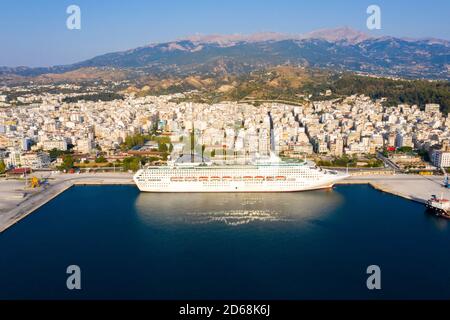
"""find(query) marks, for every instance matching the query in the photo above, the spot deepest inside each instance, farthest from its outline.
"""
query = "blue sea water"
(309, 245)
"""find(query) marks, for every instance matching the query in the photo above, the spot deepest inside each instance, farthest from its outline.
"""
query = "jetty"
(409, 186)
(17, 202)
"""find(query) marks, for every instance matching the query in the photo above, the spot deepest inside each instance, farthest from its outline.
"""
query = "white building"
(35, 160)
(440, 158)
(432, 108)
(13, 159)
(85, 145)
(403, 140)
(54, 144)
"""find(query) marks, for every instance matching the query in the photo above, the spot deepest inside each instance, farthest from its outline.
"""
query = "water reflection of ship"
(235, 208)
(436, 221)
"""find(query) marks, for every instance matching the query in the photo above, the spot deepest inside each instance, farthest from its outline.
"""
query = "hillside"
(296, 85)
(340, 49)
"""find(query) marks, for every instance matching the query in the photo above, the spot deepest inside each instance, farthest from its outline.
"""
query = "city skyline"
(35, 34)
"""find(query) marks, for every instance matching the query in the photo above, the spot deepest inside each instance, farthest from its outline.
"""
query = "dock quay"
(409, 186)
(16, 202)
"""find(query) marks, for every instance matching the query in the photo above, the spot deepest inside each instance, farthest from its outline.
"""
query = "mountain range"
(340, 49)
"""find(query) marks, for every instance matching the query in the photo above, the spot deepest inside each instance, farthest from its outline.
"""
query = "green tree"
(161, 139)
(152, 159)
(162, 147)
(203, 152)
(132, 163)
(154, 128)
(68, 162)
(192, 141)
(103, 96)
(101, 159)
(164, 156)
(55, 153)
(2, 166)
(140, 139)
(405, 149)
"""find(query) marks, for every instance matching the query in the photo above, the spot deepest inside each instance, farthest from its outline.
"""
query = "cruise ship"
(271, 175)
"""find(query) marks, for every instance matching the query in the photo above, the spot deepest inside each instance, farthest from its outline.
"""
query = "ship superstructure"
(440, 206)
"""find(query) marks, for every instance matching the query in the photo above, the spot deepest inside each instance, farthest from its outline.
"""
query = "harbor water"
(307, 245)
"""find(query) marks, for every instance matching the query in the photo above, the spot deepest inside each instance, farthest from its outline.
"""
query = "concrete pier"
(413, 187)
(14, 208)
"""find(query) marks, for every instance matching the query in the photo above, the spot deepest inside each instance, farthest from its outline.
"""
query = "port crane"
(36, 182)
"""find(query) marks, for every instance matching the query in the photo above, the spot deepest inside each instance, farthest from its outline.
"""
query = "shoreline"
(410, 187)
(32, 202)
(415, 188)
(380, 188)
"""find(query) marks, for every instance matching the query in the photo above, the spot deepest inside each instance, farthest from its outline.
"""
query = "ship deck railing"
(250, 166)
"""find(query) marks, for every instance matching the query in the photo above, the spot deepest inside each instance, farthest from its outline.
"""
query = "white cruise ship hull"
(286, 178)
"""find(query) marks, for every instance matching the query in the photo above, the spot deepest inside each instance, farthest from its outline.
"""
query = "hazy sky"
(34, 33)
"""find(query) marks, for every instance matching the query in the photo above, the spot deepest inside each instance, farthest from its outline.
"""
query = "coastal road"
(388, 162)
